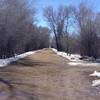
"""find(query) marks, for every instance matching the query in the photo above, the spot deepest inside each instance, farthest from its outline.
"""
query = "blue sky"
(40, 4)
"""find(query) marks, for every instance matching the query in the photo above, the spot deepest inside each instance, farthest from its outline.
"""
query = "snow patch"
(96, 83)
(72, 57)
(75, 59)
(5, 62)
(83, 63)
(54, 50)
(95, 74)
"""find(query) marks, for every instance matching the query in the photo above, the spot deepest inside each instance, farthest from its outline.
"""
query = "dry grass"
(46, 76)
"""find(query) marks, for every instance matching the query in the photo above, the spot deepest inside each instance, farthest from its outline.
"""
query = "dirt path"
(46, 76)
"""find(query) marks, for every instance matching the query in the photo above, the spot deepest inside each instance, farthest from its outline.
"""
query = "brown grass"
(46, 76)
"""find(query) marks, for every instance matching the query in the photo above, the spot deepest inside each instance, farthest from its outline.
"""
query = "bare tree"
(15, 22)
(97, 23)
(58, 21)
(88, 35)
(38, 39)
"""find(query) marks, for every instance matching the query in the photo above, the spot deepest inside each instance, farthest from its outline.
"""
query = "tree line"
(87, 22)
(19, 32)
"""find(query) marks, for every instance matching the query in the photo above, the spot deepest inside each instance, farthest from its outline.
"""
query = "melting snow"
(83, 63)
(5, 62)
(75, 59)
(97, 74)
(72, 57)
(95, 82)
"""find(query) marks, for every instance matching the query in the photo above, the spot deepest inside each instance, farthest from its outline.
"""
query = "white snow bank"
(95, 73)
(83, 63)
(75, 59)
(5, 62)
(96, 83)
(55, 50)
(72, 57)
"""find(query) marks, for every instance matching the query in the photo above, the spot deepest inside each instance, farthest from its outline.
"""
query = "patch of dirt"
(46, 76)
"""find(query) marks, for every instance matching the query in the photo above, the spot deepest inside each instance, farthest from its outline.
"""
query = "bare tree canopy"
(16, 27)
(19, 31)
(88, 34)
(58, 21)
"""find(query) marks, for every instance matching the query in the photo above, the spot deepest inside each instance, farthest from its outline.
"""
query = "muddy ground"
(47, 76)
